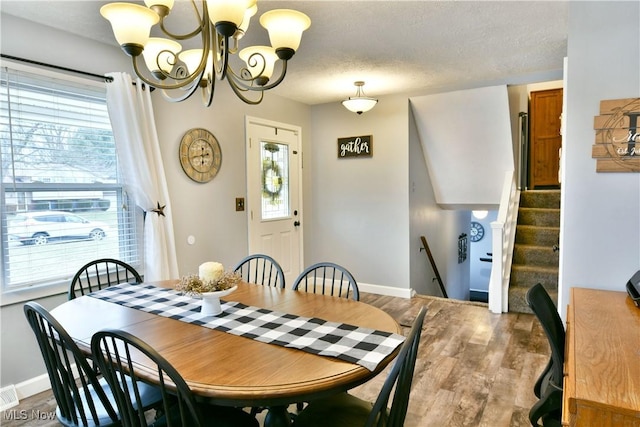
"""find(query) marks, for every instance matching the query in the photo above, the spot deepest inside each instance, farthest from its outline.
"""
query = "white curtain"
(136, 138)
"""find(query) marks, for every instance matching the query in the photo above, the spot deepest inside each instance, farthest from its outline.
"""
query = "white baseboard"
(38, 384)
(33, 386)
(386, 290)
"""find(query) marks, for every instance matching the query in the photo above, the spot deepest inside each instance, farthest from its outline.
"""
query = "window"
(275, 180)
(62, 203)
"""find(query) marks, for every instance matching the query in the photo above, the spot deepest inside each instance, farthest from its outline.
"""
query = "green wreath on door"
(271, 180)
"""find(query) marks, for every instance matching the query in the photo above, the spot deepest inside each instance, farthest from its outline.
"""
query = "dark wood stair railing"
(425, 246)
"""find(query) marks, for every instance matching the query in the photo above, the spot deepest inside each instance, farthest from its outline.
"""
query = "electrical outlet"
(239, 204)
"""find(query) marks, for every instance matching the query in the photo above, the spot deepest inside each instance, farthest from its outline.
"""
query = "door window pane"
(274, 160)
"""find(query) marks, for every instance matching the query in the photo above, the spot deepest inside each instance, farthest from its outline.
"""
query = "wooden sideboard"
(602, 360)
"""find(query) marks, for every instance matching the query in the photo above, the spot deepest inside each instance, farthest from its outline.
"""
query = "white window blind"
(62, 202)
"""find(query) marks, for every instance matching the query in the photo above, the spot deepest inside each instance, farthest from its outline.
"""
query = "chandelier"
(359, 104)
(220, 25)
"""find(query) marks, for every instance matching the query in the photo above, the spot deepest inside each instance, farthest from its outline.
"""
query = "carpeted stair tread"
(534, 258)
(521, 274)
(537, 235)
(541, 217)
(539, 256)
(540, 198)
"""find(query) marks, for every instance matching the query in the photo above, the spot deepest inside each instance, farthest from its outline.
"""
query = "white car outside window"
(38, 228)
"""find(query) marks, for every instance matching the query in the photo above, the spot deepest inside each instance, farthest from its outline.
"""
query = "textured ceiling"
(394, 46)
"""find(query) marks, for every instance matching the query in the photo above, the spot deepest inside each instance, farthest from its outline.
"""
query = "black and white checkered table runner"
(364, 346)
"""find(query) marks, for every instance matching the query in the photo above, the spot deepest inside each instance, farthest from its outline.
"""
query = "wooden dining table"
(227, 369)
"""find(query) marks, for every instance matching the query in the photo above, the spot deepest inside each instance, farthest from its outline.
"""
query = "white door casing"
(274, 199)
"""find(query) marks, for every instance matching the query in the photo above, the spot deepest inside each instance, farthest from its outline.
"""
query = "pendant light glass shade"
(192, 58)
(359, 104)
(480, 214)
(131, 23)
(285, 27)
(247, 19)
(228, 10)
(159, 54)
(260, 60)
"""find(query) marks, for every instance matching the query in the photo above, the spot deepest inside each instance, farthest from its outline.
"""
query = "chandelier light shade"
(285, 28)
(227, 15)
(158, 55)
(360, 103)
(131, 25)
(260, 62)
(247, 18)
(161, 63)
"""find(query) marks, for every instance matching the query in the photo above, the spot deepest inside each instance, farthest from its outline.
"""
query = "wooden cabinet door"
(545, 143)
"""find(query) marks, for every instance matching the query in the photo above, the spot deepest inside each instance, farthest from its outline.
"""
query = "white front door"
(274, 201)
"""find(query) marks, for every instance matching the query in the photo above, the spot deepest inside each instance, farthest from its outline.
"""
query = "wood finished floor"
(474, 368)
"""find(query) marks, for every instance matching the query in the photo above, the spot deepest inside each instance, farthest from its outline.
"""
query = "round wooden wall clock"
(200, 155)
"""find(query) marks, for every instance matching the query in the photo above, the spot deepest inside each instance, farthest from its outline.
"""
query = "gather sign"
(355, 146)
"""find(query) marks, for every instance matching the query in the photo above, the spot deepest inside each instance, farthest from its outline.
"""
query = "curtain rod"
(57, 67)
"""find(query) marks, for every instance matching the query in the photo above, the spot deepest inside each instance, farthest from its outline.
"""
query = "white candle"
(211, 271)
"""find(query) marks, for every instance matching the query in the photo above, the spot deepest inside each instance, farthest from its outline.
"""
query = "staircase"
(535, 255)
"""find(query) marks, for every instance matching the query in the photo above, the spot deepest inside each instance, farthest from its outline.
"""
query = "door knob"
(296, 223)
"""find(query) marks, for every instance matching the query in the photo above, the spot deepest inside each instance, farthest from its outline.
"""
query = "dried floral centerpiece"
(211, 283)
(211, 277)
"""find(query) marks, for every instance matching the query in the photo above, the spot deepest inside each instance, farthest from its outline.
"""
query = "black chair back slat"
(262, 270)
(60, 354)
(101, 273)
(328, 278)
(112, 351)
(400, 378)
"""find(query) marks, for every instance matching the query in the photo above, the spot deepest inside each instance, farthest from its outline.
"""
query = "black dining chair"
(549, 386)
(328, 278)
(85, 400)
(346, 410)
(112, 350)
(101, 273)
(262, 270)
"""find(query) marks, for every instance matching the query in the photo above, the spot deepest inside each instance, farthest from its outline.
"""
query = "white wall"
(207, 211)
(28, 40)
(439, 227)
(357, 208)
(600, 216)
(368, 213)
(422, 210)
(481, 270)
(459, 131)
(556, 84)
